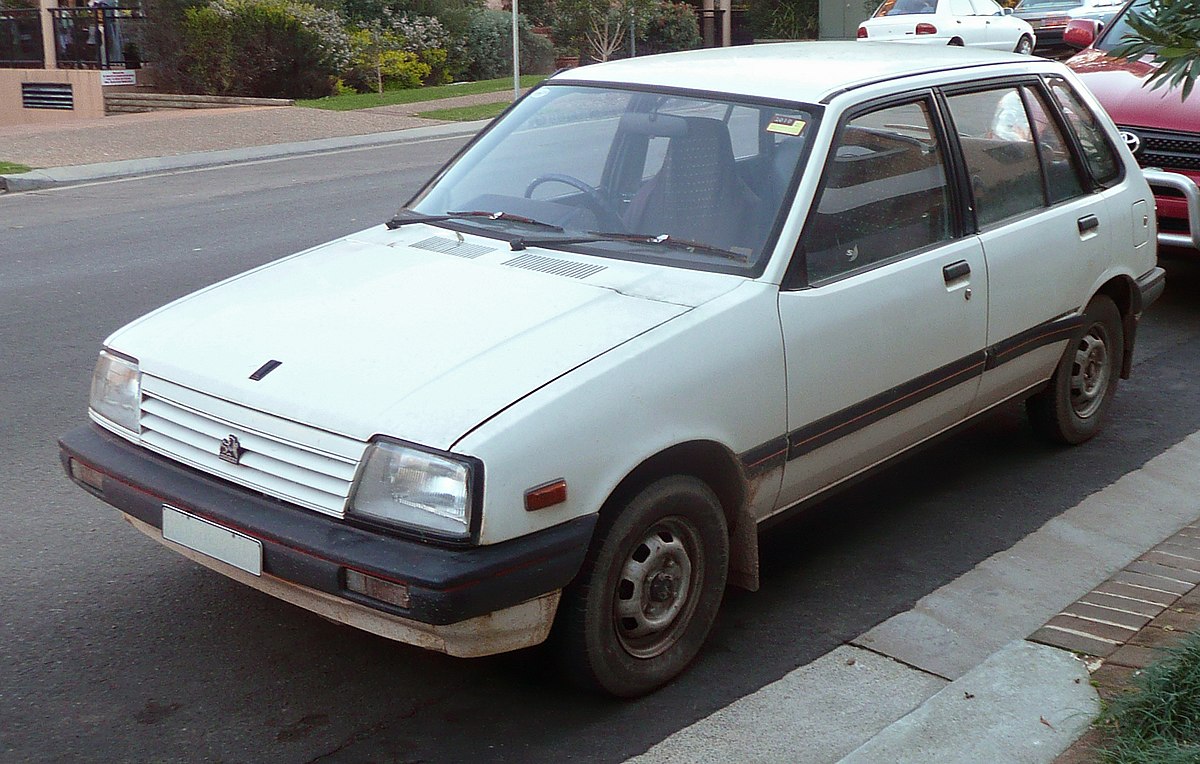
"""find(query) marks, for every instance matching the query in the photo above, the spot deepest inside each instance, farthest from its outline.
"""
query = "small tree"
(606, 33)
(1170, 31)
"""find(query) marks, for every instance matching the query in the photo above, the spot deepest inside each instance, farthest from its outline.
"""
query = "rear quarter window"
(1098, 153)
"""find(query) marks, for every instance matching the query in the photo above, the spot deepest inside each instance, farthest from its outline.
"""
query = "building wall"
(85, 86)
(839, 19)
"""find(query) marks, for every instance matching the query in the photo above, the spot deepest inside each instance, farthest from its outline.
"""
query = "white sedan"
(971, 23)
(659, 305)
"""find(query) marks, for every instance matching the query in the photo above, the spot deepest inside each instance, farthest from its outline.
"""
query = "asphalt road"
(114, 649)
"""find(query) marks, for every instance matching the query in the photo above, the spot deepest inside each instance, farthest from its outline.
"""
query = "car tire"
(1072, 407)
(648, 592)
(1024, 46)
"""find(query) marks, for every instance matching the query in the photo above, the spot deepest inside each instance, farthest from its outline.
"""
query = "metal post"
(632, 32)
(516, 55)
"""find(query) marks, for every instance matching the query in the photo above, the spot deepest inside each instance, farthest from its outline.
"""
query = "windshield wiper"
(416, 217)
(638, 238)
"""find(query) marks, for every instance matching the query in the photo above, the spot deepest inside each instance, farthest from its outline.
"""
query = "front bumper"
(1185, 209)
(453, 592)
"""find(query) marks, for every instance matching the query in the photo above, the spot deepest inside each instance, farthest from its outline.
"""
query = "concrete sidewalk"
(127, 145)
(956, 678)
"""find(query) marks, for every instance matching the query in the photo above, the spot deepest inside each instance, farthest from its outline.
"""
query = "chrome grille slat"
(217, 430)
(281, 458)
(253, 459)
(278, 487)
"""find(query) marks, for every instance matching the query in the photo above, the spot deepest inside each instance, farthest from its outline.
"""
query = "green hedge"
(260, 48)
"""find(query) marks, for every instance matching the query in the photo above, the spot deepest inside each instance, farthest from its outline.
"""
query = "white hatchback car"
(657, 303)
(970, 23)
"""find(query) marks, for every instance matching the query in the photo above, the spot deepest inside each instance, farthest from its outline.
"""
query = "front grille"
(1168, 150)
(281, 458)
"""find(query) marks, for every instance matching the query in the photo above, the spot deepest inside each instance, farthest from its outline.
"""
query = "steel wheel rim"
(1025, 47)
(1091, 370)
(658, 587)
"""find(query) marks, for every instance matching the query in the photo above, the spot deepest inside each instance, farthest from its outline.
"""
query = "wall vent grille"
(47, 95)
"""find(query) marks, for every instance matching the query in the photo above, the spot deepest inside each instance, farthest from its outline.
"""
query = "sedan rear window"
(906, 7)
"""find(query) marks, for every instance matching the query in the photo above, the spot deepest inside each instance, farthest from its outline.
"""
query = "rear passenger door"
(1045, 234)
(884, 308)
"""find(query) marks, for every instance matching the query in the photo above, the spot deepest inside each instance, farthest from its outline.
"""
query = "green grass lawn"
(437, 92)
(12, 168)
(467, 113)
(1159, 721)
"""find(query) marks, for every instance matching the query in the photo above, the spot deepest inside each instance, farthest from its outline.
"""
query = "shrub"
(428, 38)
(488, 44)
(669, 27)
(264, 48)
(378, 62)
(786, 19)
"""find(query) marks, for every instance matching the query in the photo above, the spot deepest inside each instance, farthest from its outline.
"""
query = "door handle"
(1088, 223)
(956, 271)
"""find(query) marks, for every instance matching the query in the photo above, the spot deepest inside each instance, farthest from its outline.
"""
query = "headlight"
(117, 390)
(411, 488)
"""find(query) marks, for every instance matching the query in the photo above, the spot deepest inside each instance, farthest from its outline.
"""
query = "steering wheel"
(606, 214)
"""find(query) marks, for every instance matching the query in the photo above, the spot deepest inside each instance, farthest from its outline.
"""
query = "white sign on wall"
(118, 77)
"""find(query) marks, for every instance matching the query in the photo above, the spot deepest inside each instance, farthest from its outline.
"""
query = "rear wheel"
(1072, 408)
(1024, 45)
(649, 590)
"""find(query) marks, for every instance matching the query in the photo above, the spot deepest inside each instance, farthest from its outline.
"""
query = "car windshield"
(906, 7)
(1119, 27)
(677, 179)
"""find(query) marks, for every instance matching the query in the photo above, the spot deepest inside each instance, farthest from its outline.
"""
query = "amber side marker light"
(547, 495)
(89, 476)
(377, 588)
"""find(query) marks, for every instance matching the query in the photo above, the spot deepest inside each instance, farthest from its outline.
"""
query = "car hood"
(375, 336)
(1120, 87)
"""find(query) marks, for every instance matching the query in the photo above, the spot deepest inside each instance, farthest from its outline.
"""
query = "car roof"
(806, 72)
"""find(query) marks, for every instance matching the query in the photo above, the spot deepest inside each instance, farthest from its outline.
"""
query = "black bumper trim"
(1151, 285)
(446, 585)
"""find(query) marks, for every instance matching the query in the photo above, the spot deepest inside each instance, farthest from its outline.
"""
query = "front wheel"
(1024, 45)
(649, 590)
(1072, 408)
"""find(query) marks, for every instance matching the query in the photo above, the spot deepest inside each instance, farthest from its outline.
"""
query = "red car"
(1161, 129)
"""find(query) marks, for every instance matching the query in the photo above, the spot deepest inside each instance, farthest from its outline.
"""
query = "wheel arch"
(722, 471)
(1124, 292)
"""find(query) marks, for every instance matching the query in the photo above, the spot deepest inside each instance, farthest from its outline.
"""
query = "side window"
(883, 194)
(1062, 179)
(1097, 151)
(986, 8)
(1002, 160)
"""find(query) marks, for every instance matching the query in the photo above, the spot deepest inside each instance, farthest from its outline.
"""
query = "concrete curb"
(955, 678)
(59, 177)
(1026, 703)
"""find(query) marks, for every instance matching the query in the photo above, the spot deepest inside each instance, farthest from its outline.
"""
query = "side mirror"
(1007, 11)
(1080, 33)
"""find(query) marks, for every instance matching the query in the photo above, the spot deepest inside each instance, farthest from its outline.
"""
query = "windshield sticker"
(786, 125)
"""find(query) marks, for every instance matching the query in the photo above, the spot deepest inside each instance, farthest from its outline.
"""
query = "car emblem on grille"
(231, 450)
(1132, 140)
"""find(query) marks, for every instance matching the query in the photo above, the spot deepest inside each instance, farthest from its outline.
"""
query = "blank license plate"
(206, 537)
